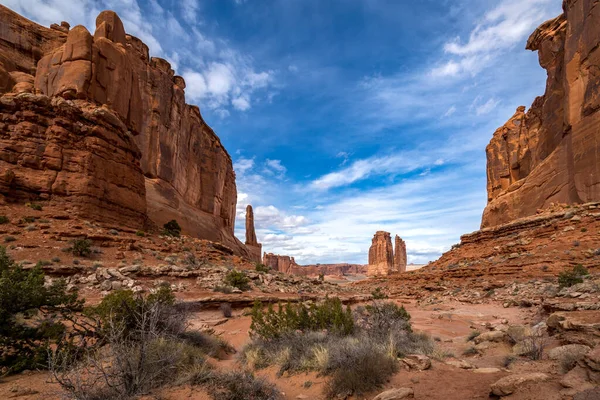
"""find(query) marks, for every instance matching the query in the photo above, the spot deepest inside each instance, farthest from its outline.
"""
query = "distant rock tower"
(381, 255)
(400, 255)
(254, 248)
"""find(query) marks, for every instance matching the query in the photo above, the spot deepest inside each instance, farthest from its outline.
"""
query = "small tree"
(572, 277)
(237, 279)
(172, 228)
(81, 247)
(30, 315)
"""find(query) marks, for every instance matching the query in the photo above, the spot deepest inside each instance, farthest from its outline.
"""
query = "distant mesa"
(382, 259)
(288, 265)
(94, 122)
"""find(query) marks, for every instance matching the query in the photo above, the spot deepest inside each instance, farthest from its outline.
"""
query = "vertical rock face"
(285, 264)
(551, 153)
(252, 244)
(399, 255)
(381, 255)
(188, 173)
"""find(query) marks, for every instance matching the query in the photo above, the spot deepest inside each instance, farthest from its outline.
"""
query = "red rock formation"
(252, 244)
(551, 152)
(189, 175)
(70, 152)
(399, 255)
(278, 263)
(381, 254)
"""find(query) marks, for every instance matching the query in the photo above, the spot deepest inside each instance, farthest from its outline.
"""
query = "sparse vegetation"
(357, 350)
(226, 310)
(470, 351)
(378, 294)
(172, 228)
(81, 247)
(473, 335)
(260, 267)
(573, 277)
(223, 289)
(508, 360)
(140, 233)
(56, 259)
(237, 279)
(34, 206)
(31, 315)
(8, 239)
(4, 219)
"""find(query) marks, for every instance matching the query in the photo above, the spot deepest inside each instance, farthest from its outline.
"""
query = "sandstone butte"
(383, 260)
(93, 122)
(288, 265)
(549, 154)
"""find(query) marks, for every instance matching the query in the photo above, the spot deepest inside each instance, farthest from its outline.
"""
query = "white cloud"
(450, 112)
(276, 166)
(487, 107)
(506, 25)
(242, 165)
(241, 103)
(189, 8)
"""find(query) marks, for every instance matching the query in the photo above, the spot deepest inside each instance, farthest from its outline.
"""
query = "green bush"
(237, 279)
(241, 385)
(573, 277)
(378, 294)
(8, 239)
(329, 315)
(259, 267)
(34, 206)
(140, 233)
(4, 219)
(172, 228)
(30, 315)
(81, 248)
(473, 335)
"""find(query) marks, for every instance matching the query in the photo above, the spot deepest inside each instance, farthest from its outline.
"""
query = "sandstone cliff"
(399, 255)
(288, 265)
(551, 153)
(187, 172)
(381, 254)
(254, 248)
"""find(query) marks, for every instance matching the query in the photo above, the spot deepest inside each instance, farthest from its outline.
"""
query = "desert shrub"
(226, 310)
(473, 335)
(223, 289)
(81, 247)
(30, 315)
(34, 206)
(470, 351)
(259, 267)
(56, 259)
(27, 220)
(43, 263)
(237, 279)
(140, 233)
(508, 360)
(4, 219)
(357, 367)
(172, 228)
(328, 314)
(8, 239)
(378, 294)
(572, 277)
(241, 385)
(209, 344)
(533, 344)
(567, 361)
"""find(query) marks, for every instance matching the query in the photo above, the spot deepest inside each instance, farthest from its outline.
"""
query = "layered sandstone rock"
(285, 264)
(254, 248)
(381, 254)
(70, 152)
(551, 152)
(188, 174)
(399, 255)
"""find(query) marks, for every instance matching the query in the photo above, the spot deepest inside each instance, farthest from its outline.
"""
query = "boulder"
(396, 394)
(418, 362)
(491, 336)
(575, 350)
(509, 384)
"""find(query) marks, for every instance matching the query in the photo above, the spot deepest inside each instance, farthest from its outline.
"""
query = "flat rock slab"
(396, 394)
(509, 384)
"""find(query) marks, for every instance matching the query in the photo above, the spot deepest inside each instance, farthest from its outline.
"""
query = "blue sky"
(344, 117)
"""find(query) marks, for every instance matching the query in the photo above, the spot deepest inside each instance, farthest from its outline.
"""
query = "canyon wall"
(288, 265)
(187, 173)
(400, 259)
(551, 153)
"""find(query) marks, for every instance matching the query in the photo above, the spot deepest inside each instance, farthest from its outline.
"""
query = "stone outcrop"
(551, 152)
(285, 264)
(254, 248)
(74, 153)
(399, 255)
(188, 173)
(288, 265)
(381, 254)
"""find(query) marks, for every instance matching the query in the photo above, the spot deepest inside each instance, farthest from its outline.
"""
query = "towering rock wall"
(254, 248)
(285, 264)
(381, 255)
(288, 265)
(188, 174)
(551, 153)
(399, 255)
